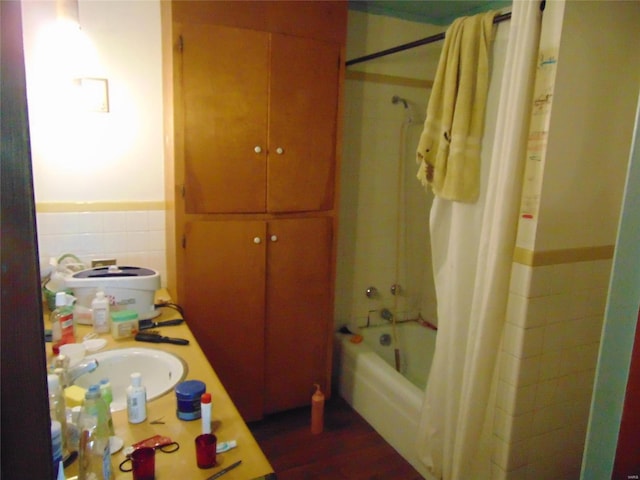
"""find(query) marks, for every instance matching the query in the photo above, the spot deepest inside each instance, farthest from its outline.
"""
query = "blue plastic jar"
(188, 394)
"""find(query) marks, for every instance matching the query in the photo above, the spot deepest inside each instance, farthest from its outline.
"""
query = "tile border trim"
(79, 207)
(566, 255)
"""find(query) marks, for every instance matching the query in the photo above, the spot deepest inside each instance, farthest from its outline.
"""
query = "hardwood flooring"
(348, 448)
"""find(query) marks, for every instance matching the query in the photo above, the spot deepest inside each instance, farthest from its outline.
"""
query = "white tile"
(157, 220)
(561, 279)
(529, 371)
(88, 242)
(560, 307)
(555, 336)
(541, 281)
(551, 365)
(537, 312)
(544, 446)
(533, 341)
(137, 241)
(115, 243)
(64, 224)
(520, 283)
(524, 400)
(580, 358)
(45, 223)
(90, 222)
(115, 222)
(517, 310)
(521, 342)
(137, 221)
(546, 393)
(509, 368)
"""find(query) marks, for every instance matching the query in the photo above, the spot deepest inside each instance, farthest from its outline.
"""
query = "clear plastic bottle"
(62, 326)
(56, 445)
(106, 393)
(57, 407)
(100, 313)
(136, 399)
(95, 454)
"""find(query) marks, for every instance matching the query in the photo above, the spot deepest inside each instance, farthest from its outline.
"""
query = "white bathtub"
(369, 382)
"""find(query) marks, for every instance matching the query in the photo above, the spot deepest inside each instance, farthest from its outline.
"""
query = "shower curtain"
(472, 249)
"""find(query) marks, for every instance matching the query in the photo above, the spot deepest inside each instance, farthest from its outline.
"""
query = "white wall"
(98, 177)
(83, 156)
(370, 203)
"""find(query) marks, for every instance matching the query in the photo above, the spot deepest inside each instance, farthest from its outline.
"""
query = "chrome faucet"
(82, 368)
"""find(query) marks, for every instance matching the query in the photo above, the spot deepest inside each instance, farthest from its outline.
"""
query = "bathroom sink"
(160, 371)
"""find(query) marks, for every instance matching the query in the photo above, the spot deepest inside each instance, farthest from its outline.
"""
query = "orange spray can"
(317, 410)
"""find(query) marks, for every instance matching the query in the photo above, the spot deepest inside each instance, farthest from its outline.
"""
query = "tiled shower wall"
(132, 237)
(550, 350)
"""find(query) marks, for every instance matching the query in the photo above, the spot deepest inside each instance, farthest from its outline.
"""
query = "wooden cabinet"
(258, 298)
(252, 115)
(260, 120)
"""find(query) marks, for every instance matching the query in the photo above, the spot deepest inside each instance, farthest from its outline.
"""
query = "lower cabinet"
(258, 297)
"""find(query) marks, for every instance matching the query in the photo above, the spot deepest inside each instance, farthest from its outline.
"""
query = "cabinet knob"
(257, 149)
(256, 240)
(274, 238)
(279, 150)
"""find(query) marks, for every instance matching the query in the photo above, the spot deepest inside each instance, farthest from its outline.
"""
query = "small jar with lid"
(124, 324)
(188, 394)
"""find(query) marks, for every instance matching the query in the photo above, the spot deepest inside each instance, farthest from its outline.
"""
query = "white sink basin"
(160, 371)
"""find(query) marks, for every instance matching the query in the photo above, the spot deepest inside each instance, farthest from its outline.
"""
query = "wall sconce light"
(93, 94)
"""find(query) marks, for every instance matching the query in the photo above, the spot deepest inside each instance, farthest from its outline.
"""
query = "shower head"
(396, 99)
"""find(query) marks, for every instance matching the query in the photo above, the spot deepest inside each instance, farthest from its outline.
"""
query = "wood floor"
(348, 448)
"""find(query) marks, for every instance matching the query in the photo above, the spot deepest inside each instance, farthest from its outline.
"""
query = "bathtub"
(388, 400)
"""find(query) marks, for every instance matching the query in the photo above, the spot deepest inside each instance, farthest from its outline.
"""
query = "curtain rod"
(406, 46)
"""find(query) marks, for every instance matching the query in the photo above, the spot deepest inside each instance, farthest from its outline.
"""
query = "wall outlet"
(103, 262)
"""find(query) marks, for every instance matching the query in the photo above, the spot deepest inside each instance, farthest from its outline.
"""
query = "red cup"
(143, 463)
(206, 450)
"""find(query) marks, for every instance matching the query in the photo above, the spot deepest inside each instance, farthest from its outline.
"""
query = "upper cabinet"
(260, 112)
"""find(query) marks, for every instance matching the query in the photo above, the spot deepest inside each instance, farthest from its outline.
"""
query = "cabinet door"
(299, 306)
(302, 124)
(224, 304)
(224, 88)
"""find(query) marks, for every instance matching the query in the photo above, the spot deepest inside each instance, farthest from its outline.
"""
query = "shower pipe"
(417, 43)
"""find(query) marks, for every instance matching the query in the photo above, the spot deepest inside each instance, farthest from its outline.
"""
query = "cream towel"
(449, 147)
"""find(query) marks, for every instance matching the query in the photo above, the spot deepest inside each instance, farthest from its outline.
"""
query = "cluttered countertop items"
(169, 416)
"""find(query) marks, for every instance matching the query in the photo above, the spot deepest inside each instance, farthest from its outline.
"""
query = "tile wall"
(132, 237)
(549, 355)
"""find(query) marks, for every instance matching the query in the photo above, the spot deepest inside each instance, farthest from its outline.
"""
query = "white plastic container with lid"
(136, 399)
(124, 324)
(130, 288)
(100, 313)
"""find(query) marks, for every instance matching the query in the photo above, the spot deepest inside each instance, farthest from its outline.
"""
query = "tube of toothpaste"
(226, 446)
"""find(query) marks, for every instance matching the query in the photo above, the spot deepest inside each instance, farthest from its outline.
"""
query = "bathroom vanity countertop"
(227, 422)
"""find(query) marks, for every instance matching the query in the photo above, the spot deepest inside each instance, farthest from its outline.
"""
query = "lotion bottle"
(136, 399)
(317, 411)
(205, 409)
(100, 313)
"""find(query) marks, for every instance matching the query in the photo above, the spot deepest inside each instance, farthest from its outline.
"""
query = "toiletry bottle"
(106, 393)
(136, 399)
(205, 411)
(56, 445)
(100, 313)
(57, 408)
(62, 327)
(94, 451)
(317, 410)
